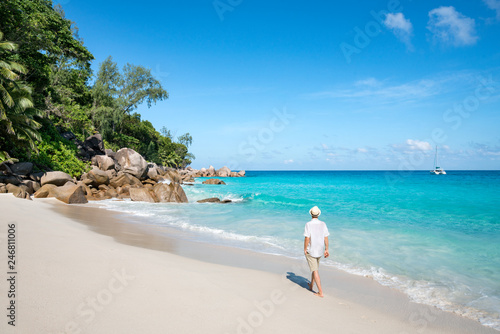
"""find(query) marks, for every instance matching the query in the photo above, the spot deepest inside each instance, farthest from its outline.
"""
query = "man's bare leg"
(318, 283)
(311, 285)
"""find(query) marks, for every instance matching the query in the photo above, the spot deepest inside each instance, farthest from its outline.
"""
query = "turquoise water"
(434, 237)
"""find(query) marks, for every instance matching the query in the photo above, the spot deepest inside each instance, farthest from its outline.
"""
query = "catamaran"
(437, 170)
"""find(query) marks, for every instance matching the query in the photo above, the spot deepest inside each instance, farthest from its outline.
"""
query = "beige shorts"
(313, 262)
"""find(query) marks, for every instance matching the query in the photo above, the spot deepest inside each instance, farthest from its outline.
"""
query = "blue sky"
(317, 84)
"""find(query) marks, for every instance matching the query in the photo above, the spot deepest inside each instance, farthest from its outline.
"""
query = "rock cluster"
(19, 180)
(124, 174)
(189, 173)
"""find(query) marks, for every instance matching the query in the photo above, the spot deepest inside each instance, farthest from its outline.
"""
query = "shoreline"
(249, 278)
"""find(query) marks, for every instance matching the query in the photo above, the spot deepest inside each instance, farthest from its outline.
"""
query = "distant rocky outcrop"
(213, 181)
(214, 200)
(224, 172)
(188, 174)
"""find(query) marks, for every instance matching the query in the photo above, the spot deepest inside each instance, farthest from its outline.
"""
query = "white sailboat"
(437, 170)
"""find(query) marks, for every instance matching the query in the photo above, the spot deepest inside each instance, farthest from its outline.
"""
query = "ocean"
(434, 237)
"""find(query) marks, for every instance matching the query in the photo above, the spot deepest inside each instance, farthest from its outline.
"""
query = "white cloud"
(418, 145)
(406, 91)
(401, 27)
(362, 150)
(495, 5)
(451, 27)
(485, 150)
(398, 93)
(324, 146)
(371, 82)
(289, 161)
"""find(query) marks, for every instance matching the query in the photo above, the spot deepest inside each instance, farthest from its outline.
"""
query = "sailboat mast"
(436, 163)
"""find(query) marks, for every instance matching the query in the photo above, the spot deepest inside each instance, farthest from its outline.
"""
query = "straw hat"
(315, 211)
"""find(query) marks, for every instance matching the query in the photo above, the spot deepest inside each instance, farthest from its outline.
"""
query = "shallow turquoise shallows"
(435, 237)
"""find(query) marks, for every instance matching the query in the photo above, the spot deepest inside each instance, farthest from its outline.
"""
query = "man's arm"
(306, 243)
(327, 254)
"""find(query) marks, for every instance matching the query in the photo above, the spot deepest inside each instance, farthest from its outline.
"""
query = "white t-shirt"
(317, 231)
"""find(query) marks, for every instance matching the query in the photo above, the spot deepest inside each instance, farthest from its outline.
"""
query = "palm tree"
(16, 105)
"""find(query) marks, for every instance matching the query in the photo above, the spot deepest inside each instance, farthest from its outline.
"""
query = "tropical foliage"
(45, 89)
(18, 129)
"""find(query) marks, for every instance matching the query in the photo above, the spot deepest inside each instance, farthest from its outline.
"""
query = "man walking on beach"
(315, 245)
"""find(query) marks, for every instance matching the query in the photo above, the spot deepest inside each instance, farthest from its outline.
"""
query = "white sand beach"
(86, 272)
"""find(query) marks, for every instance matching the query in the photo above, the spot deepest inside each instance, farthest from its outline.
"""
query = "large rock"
(47, 190)
(174, 176)
(124, 179)
(12, 179)
(22, 168)
(91, 147)
(68, 135)
(224, 172)
(11, 188)
(104, 162)
(111, 173)
(18, 191)
(131, 162)
(141, 195)
(152, 171)
(110, 153)
(111, 192)
(95, 142)
(71, 194)
(31, 186)
(209, 200)
(5, 169)
(241, 173)
(98, 177)
(213, 181)
(37, 176)
(211, 171)
(172, 192)
(86, 188)
(57, 178)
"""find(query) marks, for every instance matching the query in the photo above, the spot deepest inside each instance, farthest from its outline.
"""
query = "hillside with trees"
(47, 88)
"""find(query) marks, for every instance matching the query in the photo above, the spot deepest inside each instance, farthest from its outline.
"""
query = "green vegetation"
(45, 90)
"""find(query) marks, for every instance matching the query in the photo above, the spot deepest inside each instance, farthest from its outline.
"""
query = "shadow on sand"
(299, 280)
